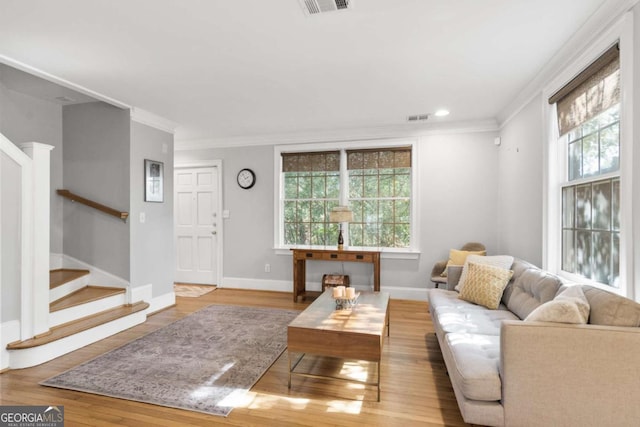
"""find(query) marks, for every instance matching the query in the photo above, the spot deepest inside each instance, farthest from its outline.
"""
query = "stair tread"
(63, 275)
(79, 325)
(84, 295)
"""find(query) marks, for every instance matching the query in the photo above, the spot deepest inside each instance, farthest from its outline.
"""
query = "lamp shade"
(341, 214)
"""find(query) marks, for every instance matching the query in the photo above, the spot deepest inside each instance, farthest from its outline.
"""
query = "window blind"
(594, 90)
(386, 158)
(323, 161)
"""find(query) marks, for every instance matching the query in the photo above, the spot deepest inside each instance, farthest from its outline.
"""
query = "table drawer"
(366, 257)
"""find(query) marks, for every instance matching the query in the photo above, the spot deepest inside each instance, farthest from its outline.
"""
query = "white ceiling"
(243, 68)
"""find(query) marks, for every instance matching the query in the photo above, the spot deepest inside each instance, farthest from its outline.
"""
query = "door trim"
(217, 163)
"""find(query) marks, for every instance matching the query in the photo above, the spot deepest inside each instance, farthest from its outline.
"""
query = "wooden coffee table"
(356, 333)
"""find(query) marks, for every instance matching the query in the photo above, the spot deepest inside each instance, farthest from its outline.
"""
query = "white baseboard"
(259, 284)
(55, 261)
(410, 293)
(145, 293)
(161, 302)
(98, 276)
(415, 294)
(9, 332)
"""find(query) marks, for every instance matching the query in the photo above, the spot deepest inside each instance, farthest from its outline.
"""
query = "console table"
(301, 256)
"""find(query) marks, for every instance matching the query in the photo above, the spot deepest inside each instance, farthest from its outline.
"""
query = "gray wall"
(24, 118)
(459, 194)
(521, 179)
(96, 166)
(10, 188)
(152, 242)
(457, 176)
(520, 209)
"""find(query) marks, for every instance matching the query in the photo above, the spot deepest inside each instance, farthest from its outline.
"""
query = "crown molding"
(606, 15)
(306, 137)
(147, 118)
(62, 82)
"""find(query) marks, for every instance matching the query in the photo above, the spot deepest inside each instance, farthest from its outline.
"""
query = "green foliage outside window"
(379, 194)
(591, 210)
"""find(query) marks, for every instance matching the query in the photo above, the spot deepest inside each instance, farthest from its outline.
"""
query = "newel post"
(35, 301)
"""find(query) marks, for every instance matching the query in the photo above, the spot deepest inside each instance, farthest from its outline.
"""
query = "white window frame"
(556, 157)
(411, 252)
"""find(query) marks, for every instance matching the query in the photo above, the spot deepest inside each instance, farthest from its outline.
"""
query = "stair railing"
(102, 208)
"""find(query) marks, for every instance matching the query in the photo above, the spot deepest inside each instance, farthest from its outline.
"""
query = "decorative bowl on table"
(344, 303)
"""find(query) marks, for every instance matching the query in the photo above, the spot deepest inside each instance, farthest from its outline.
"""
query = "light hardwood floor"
(415, 387)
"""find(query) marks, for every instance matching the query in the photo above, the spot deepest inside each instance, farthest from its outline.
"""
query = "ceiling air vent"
(313, 7)
(418, 118)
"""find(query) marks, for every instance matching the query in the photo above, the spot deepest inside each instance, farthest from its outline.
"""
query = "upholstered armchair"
(436, 272)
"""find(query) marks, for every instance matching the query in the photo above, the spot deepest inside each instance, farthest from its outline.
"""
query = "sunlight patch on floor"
(344, 407)
(205, 390)
(253, 400)
(259, 401)
(355, 370)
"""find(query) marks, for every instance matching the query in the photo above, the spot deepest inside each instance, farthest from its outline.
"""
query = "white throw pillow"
(569, 306)
(500, 261)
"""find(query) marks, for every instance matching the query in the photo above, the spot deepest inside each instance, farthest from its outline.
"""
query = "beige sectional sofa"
(507, 371)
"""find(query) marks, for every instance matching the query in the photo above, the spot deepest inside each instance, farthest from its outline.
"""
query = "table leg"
(376, 273)
(388, 321)
(298, 278)
(289, 354)
(378, 380)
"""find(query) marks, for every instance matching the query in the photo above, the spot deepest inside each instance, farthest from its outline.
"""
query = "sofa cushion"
(569, 306)
(442, 297)
(502, 261)
(473, 319)
(484, 284)
(610, 309)
(518, 267)
(532, 288)
(476, 360)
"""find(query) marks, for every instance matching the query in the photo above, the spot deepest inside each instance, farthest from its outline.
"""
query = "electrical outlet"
(267, 268)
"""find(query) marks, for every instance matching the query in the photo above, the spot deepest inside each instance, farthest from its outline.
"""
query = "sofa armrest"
(560, 374)
(453, 276)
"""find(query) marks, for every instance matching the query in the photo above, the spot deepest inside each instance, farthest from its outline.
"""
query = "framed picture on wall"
(153, 181)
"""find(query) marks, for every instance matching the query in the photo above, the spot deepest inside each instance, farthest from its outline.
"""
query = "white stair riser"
(25, 358)
(87, 309)
(68, 288)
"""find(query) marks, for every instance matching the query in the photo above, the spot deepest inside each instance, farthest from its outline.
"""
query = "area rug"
(202, 362)
(192, 291)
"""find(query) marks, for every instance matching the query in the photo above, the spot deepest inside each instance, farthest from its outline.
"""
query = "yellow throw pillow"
(485, 284)
(457, 257)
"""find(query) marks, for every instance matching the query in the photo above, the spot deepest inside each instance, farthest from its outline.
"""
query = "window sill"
(385, 253)
(579, 280)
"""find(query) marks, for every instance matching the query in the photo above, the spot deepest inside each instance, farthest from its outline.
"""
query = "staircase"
(79, 314)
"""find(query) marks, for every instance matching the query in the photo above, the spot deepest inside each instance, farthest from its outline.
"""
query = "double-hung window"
(588, 113)
(380, 197)
(375, 183)
(311, 190)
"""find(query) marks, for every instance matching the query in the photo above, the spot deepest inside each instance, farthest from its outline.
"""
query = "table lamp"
(340, 214)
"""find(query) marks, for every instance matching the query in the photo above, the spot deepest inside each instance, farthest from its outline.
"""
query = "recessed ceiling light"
(442, 113)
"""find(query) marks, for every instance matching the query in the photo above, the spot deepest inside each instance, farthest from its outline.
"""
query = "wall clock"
(246, 179)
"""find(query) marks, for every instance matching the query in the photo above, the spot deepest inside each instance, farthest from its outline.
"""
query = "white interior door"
(197, 223)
